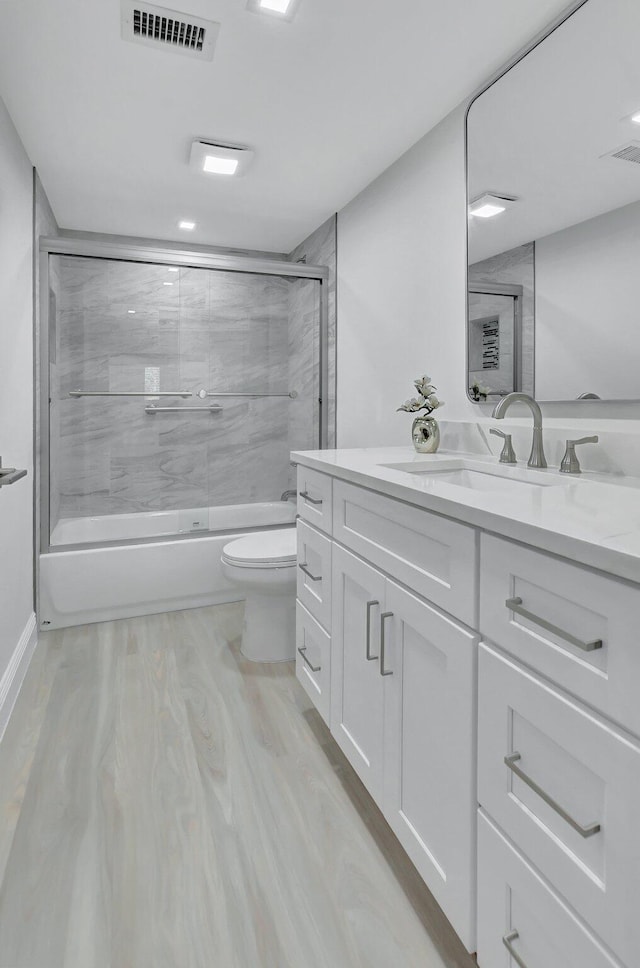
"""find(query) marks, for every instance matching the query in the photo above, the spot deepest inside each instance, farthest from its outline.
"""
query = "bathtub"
(155, 571)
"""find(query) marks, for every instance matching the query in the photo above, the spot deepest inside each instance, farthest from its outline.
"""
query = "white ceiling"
(327, 102)
(540, 132)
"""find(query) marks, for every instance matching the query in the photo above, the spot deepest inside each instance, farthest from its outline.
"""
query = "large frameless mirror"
(553, 154)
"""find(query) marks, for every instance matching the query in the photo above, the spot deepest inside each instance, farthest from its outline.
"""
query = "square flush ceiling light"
(284, 9)
(220, 159)
(490, 203)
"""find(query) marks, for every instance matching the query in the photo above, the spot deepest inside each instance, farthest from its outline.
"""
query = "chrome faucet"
(536, 457)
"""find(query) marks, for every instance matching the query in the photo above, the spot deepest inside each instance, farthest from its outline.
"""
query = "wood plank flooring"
(166, 804)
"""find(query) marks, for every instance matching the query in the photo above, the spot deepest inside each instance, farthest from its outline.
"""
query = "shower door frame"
(158, 255)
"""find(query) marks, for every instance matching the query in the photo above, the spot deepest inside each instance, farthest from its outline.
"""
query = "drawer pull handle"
(589, 831)
(303, 652)
(307, 497)
(370, 605)
(305, 569)
(515, 605)
(383, 618)
(507, 941)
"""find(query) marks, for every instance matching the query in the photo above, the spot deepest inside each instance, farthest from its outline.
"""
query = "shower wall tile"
(210, 330)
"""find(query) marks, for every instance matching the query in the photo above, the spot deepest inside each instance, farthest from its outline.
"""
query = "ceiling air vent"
(628, 152)
(144, 23)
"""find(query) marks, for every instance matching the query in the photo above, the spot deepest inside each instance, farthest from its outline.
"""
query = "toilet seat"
(264, 549)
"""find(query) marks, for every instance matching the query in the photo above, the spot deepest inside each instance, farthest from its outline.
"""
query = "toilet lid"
(264, 548)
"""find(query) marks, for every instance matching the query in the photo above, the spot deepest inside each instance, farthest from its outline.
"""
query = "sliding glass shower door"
(176, 395)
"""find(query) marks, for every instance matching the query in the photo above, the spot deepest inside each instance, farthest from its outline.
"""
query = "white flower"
(433, 401)
(423, 385)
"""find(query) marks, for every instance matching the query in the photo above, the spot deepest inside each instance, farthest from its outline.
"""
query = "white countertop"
(593, 519)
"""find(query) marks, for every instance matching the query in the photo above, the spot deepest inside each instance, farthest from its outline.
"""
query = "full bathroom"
(319, 476)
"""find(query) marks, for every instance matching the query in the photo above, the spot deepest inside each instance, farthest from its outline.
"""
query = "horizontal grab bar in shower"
(137, 393)
(212, 393)
(216, 408)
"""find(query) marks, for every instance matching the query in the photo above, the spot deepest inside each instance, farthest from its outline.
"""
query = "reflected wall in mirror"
(553, 155)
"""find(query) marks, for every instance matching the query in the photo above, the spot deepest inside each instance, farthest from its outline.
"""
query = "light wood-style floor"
(167, 804)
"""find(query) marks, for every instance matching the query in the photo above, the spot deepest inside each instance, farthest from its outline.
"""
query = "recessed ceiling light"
(173, 269)
(220, 166)
(636, 117)
(278, 6)
(131, 312)
(220, 159)
(490, 203)
(167, 283)
(186, 225)
(284, 9)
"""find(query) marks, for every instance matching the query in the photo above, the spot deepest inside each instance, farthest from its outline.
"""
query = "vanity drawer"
(513, 898)
(569, 769)
(313, 658)
(430, 554)
(314, 498)
(569, 609)
(314, 573)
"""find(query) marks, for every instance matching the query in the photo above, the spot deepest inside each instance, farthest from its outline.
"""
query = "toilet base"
(269, 631)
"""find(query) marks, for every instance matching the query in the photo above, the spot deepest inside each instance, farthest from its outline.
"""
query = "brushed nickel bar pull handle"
(216, 408)
(370, 605)
(589, 831)
(138, 393)
(507, 941)
(383, 618)
(307, 497)
(305, 569)
(515, 605)
(302, 650)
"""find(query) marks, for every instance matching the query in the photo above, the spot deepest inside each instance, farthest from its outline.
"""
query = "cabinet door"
(430, 798)
(519, 912)
(357, 701)
(564, 786)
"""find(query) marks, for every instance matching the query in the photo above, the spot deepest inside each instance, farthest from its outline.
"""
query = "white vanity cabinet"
(486, 693)
(402, 681)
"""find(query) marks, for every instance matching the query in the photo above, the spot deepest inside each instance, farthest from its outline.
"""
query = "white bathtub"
(155, 524)
(91, 584)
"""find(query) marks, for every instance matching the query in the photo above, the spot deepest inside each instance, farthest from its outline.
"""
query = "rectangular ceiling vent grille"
(628, 152)
(144, 23)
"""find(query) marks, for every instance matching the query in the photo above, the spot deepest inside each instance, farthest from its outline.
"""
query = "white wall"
(587, 317)
(401, 290)
(16, 397)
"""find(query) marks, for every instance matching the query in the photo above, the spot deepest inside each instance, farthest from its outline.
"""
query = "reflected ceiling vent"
(628, 152)
(144, 23)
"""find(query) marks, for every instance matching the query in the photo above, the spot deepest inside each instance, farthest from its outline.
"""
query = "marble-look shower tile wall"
(133, 327)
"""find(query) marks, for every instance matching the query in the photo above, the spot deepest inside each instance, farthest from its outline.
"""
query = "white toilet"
(263, 565)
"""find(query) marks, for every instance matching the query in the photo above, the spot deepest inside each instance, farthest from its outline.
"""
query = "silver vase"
(426, 435)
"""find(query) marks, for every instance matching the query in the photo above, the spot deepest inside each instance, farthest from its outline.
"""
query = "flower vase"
(426, 435)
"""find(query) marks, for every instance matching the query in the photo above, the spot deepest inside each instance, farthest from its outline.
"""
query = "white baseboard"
(16, 671)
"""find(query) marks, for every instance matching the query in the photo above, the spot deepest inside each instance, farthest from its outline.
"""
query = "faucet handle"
(508, 455)
(570, 463)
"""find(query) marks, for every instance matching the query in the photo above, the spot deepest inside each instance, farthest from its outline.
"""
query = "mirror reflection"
(554, 216)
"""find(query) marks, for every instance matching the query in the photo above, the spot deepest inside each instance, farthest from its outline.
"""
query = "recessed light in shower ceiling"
(284, 9)
(186, 225)
(490, 204)
(217, 158)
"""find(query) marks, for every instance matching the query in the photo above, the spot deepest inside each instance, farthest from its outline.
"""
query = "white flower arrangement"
(427, 399)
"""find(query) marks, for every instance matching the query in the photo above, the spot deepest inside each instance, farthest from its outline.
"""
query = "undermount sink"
(478, 476)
